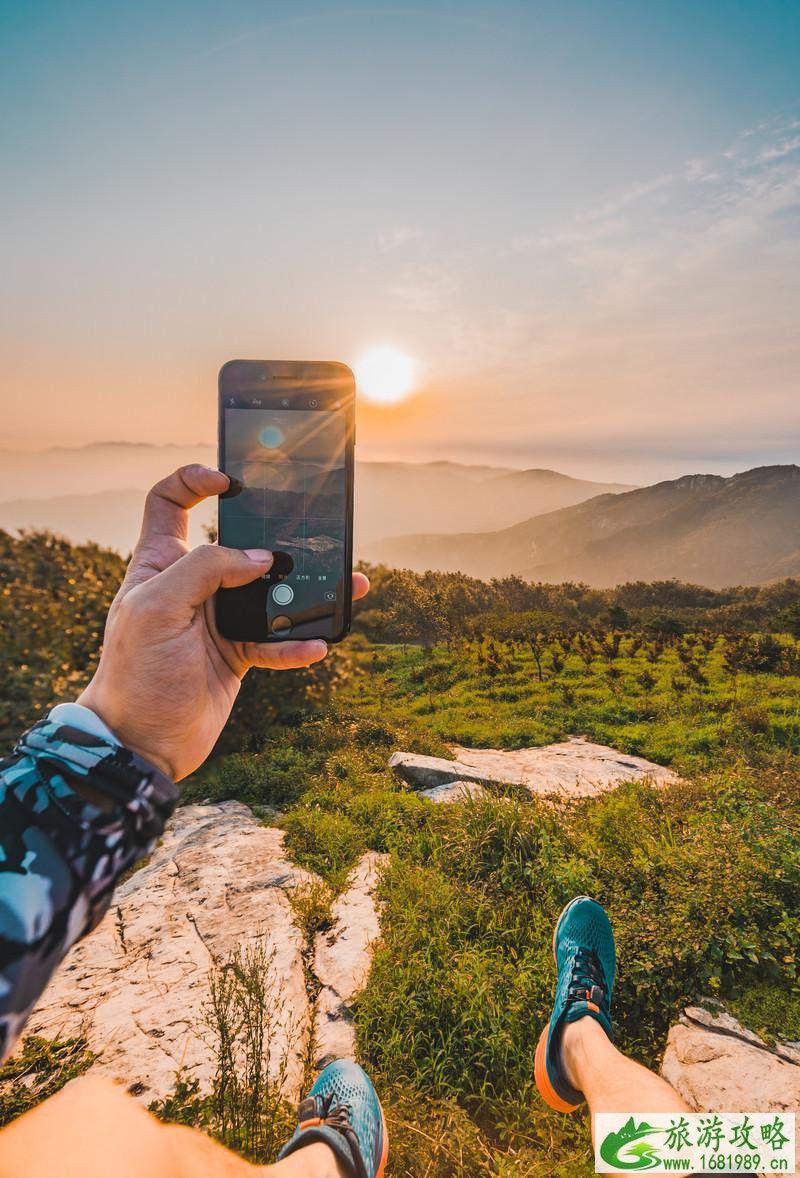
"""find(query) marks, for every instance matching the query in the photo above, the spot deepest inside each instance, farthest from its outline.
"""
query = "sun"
(385, 375)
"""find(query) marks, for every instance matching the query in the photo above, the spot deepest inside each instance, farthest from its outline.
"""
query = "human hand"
(167, 679)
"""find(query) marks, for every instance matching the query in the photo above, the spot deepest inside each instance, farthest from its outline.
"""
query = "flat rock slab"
(574, 768)
(455, 791)
(137, 986)
(342, 957)
(717, 1065)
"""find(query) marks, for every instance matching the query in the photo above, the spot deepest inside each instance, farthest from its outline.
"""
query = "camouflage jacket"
(76, 811)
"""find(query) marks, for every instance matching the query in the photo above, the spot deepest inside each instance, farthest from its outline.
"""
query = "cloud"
(399, 235)
(779, 150)
(579, 235)
(424, 288)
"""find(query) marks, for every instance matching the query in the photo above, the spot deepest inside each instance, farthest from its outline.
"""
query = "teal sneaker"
(342, 1110)
(586, 960)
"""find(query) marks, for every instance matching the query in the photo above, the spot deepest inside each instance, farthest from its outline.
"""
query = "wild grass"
(252, 1041)
(40, 1068)
(702, 879)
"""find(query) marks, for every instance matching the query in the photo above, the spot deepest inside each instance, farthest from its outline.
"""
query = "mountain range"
(483, 520)
(702, 528)
(95, 493)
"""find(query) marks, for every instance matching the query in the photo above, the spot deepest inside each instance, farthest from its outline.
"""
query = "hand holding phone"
(167, 679)
(286, 440)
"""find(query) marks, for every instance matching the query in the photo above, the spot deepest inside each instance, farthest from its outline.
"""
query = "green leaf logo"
(638, 1154)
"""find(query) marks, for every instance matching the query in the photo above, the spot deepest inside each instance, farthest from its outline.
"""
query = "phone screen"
(292, 464)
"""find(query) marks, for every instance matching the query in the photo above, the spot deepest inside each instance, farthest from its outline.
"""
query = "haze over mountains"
(95, 493)
(702, 528)
(483, 520)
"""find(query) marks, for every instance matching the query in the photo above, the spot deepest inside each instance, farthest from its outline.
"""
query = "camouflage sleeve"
(76, 811)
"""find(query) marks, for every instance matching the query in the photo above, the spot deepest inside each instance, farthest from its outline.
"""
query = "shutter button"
(282, 593)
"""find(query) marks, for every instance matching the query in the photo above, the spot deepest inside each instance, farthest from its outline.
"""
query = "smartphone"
(287, 438)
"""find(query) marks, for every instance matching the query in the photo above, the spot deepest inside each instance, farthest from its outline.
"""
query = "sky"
(580, 218)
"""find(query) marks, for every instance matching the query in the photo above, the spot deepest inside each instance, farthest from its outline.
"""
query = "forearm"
(76, 811)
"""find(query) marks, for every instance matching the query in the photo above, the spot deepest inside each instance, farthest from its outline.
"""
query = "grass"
(702, 879)
(677, 703)
(245, 1109)
(39, 1069)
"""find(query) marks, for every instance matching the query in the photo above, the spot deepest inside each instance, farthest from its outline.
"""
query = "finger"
(285, 656)
(197, 576)
(166, 509)
(165, 526)
(360, 586)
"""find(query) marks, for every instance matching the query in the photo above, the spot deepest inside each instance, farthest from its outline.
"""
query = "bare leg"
(610, 1081)
(92, 1129)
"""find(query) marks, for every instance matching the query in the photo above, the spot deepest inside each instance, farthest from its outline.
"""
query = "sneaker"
(585, 957)
(342, 1109)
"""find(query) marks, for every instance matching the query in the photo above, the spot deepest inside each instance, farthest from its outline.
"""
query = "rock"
(717, 1065)
(574, 768)
(342, 957)
(138, 984)
(218, 880)
(455, 791)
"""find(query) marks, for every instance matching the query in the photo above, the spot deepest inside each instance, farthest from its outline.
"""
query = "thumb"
(198, 575)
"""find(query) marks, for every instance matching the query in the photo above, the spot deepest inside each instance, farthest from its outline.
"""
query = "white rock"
(455, 791)
(573, 768)
(719, 1066)
(137, 985)
(342, 957)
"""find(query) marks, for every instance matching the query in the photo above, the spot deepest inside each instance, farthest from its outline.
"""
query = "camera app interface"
(292, 467)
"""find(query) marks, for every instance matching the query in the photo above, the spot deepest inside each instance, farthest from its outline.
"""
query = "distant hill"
(450, 497)
(702, 528)
(109, 518)
(96, 492)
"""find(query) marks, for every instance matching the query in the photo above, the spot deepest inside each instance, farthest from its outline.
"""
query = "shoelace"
(587, 982)
(337, 1116)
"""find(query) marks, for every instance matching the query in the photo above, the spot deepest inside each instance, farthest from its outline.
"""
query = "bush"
(324, 841)
(40, 1069)
(244, 1016)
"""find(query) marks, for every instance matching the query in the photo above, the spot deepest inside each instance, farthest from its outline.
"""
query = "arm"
(77, 811)
(87, 792)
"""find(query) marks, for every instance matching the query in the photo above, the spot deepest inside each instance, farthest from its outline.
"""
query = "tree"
(790, 619)
(618, 617)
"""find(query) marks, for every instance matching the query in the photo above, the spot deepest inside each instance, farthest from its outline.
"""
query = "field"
(702, 879)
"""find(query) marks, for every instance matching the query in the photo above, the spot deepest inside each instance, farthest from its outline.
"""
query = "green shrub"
(38, 1070)
(324, 841)
(770, 1009)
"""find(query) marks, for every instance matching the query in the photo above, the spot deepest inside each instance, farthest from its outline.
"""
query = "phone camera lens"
(313, 404)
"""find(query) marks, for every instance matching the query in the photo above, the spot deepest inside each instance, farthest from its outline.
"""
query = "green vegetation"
(54, 597)
(244, 1017)
(40, 1068)
(702, 879)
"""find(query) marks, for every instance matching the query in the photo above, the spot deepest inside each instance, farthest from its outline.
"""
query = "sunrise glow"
(385, 375)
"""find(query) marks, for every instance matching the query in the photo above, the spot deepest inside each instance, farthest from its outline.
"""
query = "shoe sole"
(385, 1150)
(540, 1073)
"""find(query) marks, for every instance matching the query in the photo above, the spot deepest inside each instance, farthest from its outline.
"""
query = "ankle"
(580, 1040)
(316, 1160)
(329, 1166)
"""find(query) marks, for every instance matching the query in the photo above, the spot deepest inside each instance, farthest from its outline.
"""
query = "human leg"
(610, 1081)
(576, 1060)
(92, 1129)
